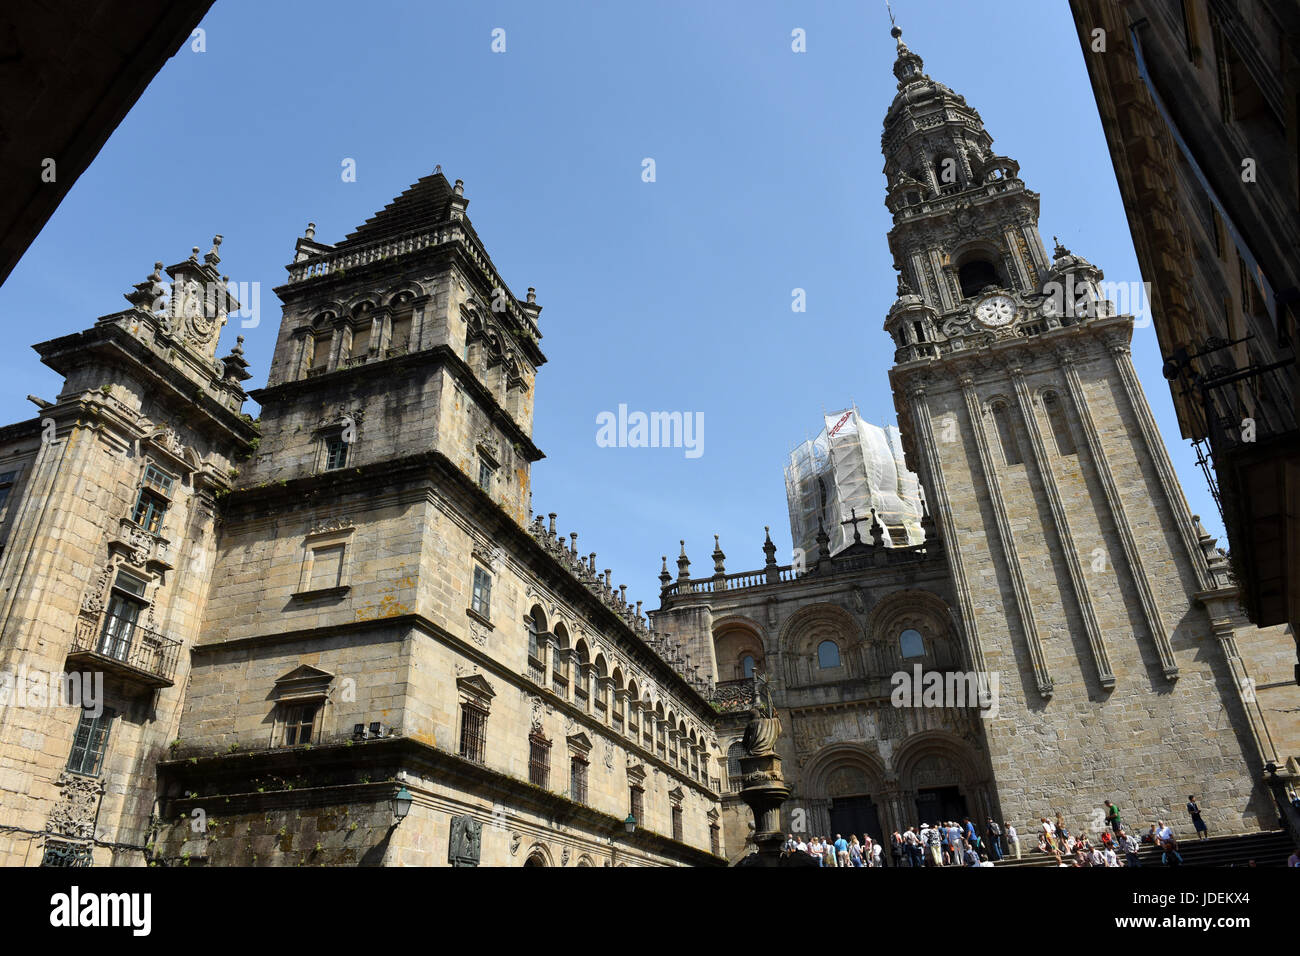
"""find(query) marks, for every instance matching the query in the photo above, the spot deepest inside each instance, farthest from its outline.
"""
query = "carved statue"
(466, 839)
(764, 725)
(761, 734)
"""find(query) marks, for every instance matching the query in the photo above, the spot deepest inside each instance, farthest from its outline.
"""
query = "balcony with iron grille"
(135, 653)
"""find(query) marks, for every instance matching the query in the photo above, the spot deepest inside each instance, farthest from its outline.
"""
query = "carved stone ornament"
(539, 709)
(335, 523)
(77, 807)
(488, 555)
(564, 857)
(609, 755)
(93, 602)
(478, 634)
(515, 841)
(466, 843)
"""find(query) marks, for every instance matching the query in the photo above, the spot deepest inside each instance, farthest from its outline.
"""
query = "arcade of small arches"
(369, 328)
(580, 673)
(824, 643)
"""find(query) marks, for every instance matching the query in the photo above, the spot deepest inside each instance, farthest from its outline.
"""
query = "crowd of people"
(960, 844)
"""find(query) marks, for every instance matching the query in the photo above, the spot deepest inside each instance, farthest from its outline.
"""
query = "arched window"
(602, 690)
(1060, 425)
(560, 661)
(911, 644)
(828, 655)
(975, 275)
(1006, 433)
(536, 627)
(747, 665)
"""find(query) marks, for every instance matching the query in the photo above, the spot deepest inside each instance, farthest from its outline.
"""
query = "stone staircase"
(1267, 848)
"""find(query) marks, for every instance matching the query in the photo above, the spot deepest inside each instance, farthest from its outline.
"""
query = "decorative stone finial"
(459, 188)
(532, 296)
(310, 232)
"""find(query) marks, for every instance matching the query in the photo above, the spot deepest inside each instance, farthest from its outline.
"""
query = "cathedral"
(338, 635)
(1060, 584)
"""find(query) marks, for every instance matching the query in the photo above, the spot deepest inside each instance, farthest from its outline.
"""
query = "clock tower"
(1079, 576)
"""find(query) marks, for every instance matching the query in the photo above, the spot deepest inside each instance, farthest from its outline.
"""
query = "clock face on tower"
(996, 312)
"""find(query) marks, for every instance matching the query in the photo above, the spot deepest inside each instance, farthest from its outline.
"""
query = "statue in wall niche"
(466, 841)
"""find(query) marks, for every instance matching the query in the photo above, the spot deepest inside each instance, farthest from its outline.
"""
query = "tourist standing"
(1013, 841)
(841, 850)
(1130, 848)
(855, 851)
(994, 834)
(1194, 810)
(1112, 817)
(932, 842)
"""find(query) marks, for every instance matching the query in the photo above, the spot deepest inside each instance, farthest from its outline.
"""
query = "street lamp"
(401, 804)
(630, 824)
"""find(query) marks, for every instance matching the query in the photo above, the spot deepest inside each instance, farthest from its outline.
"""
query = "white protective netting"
(851, 464)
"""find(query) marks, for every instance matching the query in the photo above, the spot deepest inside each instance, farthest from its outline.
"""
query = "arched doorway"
(535, 859)
(852, 809)
(844, 784)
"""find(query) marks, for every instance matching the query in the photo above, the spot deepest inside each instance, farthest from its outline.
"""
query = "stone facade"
(1060, 565)
(351, 592)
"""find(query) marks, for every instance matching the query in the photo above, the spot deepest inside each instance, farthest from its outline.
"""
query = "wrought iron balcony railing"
(132, 651)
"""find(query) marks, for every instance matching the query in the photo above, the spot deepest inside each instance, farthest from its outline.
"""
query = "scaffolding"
(851, 466)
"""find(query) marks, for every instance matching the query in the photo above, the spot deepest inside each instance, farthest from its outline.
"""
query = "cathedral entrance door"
(937, 804)
(854, 815)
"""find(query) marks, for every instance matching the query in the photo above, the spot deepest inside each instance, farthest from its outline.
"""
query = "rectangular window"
(336, 453)
(577, 779)
(638, 804)
(484, 475)
(361, 341)
(715, 844)
(155, 476)
(299, 723)
(320, 352)
(326, 567)
(400, 341)
(6, 485)
(677, 823)
(90, 743)
(539, 761)
(124, 606)
(473, 732)
(482, 599)
(150, 509)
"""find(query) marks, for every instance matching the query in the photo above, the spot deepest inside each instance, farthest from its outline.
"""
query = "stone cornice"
(116, 346)
(396, 753)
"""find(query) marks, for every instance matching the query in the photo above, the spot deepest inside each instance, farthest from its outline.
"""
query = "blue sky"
(666, 296)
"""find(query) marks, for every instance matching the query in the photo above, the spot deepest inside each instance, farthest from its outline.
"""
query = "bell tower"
(1080, 577)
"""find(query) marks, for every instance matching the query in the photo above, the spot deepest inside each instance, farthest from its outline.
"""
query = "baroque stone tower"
(1079, 575)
